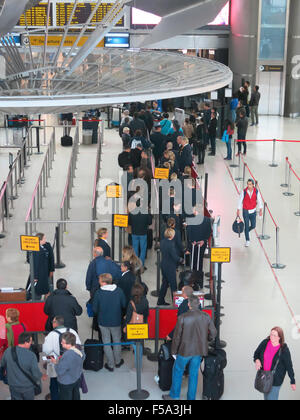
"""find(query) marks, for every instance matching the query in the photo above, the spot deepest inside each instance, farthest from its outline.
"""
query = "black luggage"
(191, 277)
(165, 366)
(66, 141)
(94, 355)
(213, 376)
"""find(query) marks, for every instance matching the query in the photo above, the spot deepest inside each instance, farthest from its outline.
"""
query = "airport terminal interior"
(70, 69)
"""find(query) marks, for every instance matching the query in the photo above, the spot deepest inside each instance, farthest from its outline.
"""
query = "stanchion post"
(278, 265)
(288, 193)
(234, 165)
(59, 263)
(139, 393)
(297, 213)
(205, 189)
(155, 293)
(219, 344)
(239, 178)
(285, 185)
(273, 164)
(32, 275)
(263, 236)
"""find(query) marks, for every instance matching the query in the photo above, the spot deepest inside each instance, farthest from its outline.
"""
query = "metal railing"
(65, 205)
(9, 189)
(96, 179)
(36, 203)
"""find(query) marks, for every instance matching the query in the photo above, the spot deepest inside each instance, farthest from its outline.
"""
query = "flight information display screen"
(82, 13)
(37, 16)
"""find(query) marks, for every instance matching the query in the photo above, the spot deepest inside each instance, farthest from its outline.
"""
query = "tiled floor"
(254, 297)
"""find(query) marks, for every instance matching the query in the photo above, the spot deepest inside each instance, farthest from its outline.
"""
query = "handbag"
(136, 318)
(37, 387)
(264, 379)
(238, 226)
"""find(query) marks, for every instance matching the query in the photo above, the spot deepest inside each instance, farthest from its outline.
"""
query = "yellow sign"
(161, 173)
(55, 41)
(121, 220)
(137, 332)
(113, 191)
(30, 243)
(220, 255)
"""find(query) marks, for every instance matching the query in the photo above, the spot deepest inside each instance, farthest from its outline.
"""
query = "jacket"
(192, 332)
(285, 363)
(104, 245)
(28, 362)
(183, 308)
(159, 141)
(124, 159)
(185, 157)
(255, 98)
(169, 256)
(70, 366)
(51, 347)
(142, 308)
(98, 266)
(126, 283)
(137, 124)
(197, 233)
(61, 302)
(108, 303)
(242, 126)
(43, 264)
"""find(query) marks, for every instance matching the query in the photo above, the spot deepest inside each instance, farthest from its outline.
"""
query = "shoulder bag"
(264, 379)
(37, 387)
(136, 318)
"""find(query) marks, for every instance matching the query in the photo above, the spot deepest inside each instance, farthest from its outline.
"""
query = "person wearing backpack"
(274, 355)
(13, 326)
(52, 347)
(249, 199)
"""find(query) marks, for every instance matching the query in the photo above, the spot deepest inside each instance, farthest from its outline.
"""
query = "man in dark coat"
(137, 124)
(127, 280)
(43, 265)
(198, 235)
(185, 156)
(61, 302)
(159, 140)
(100, 265)
(212, 132)
(124, 158)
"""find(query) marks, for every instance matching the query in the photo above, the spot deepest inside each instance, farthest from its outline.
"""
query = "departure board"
(37, 16)
(82, 13)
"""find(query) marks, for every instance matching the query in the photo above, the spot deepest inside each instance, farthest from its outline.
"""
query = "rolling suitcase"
(213, 375)
(66, 141)
(165, 366)
(186, 276)
(94, 355)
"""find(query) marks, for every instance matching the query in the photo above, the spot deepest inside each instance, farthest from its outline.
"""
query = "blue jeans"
(233, 115)
(229, 148)
(178, 370)
(139, 243)
(273, 394)
(250, 223)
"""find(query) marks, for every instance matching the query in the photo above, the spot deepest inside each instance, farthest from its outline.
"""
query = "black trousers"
(200, 152)
(168, 279)
(69, 392)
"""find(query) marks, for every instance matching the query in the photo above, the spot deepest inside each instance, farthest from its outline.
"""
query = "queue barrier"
(288, 182)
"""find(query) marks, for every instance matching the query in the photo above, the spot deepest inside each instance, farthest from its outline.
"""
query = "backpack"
(61, 349)
(135, 143)
(136, 318)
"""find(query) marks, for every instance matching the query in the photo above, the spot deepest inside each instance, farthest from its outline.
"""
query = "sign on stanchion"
(138, 332)
(30, 244)
(161, 173)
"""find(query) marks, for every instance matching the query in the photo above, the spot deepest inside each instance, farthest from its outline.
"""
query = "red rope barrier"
(291, 168)
(268, 140)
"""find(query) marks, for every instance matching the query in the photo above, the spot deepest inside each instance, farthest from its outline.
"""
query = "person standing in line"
(102, 242)
(271, 351)
(233, 107)
(13, 326)
(52, 347)
(247, 87)
(200, 144)
(249, 199)
(242, 126)
(69, 368)
(61, 302)
(108, 304)
(193, 331)
(169, 262)
(212, 131)
(229, 127)
(43, 263)
(254, 103)
(20, 387)
(127, 280)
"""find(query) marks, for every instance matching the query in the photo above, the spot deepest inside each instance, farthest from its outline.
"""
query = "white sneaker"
(247, 244)
(156, 379)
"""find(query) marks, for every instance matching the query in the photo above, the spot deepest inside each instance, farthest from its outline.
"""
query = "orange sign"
(220, 255)
(113, 191)
(121, 220)
(30, 243)
(161, 173)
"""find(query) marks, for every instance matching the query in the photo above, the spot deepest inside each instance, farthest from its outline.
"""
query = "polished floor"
(255, 296)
